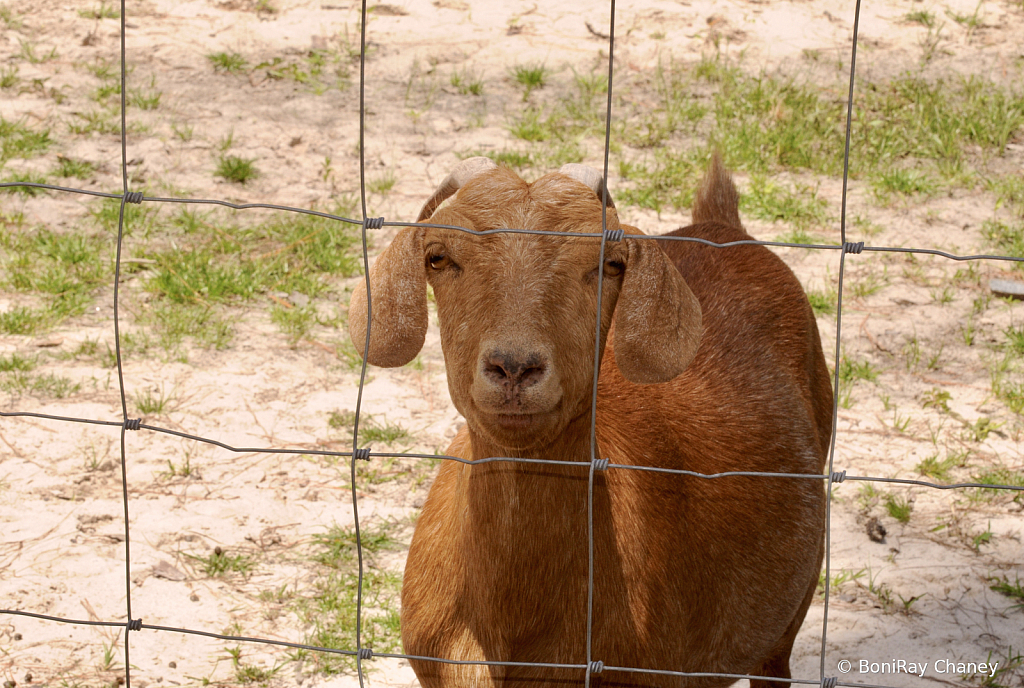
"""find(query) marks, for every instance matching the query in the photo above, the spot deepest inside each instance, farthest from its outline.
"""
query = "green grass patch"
(867, 283)
(922, 17)
(72, 167)
(47, 385)
(232, 63)
(237, 169)
(220, 563)
(336, 548)
(823, 301)
(139, 219)
(671, 181)
(151, 402)
(329, 610)
(175, 324)
(9, 18)
(16, 362)
(9, 76)
(512, 159)
(383, 184)
(911, 135)
(999, 476)
(21, 320)
(530, 77)
(17, 140)
(769, 201)
(1009, 192)
(467, 83)
(104, 11)
(102, 121)
(341, 420)
(936, 398)
(1007, 239)
(1014, 590)
(286, 254)
(317, 70)
(144, 98)
(902, 182)
(851, 371)
(65, 269)
(898, 507)
(28, 52)
(24, 177)
(936, 468)
(382, 432)
(295, 323)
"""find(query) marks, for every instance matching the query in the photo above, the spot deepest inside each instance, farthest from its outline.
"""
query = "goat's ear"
(399, 290)
(657, 317)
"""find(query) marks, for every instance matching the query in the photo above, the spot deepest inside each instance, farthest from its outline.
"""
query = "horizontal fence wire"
(357, 453)
(857, 247)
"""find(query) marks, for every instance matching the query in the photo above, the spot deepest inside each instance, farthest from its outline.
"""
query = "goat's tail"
(717, 199)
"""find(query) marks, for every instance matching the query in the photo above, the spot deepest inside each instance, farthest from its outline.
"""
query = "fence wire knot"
(132, 423)
(853, 247)
(362, 454)
(839, 476)
(600, 464)
(135, 624)
(365, 653)
(373, 222)
(596, 667)
(614, 234)
(133, 197)
(829, 681)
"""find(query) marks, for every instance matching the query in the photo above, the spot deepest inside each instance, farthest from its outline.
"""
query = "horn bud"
(590, 177)
(459, 177)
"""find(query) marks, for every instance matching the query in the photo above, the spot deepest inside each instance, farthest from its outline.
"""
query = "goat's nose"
(511, 371)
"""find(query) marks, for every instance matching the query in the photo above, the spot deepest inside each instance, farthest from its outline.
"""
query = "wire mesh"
(593, 665)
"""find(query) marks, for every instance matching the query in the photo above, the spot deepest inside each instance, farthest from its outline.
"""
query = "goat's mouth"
(516, 421)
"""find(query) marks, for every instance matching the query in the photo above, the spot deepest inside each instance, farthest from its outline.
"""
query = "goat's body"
(690, 574)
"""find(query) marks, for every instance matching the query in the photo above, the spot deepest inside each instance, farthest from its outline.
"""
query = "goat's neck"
(516, 499)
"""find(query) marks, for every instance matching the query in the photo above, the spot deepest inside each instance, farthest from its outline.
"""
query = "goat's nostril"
(511, 371)
(496, 372)
(531, 376)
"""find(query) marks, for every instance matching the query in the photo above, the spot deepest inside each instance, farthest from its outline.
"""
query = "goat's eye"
(439, 261)
(614, 268)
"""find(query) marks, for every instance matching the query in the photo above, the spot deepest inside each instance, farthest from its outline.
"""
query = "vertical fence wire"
(366, 348)
(360, 653)
(839, 338)
(597, 351)
(117, 348)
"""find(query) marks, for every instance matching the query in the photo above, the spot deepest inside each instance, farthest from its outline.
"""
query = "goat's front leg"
(462, 645)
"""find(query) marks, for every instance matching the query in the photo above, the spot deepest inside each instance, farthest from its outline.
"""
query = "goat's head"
(517, 311)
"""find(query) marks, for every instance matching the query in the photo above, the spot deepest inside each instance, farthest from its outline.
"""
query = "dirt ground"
(925, 592)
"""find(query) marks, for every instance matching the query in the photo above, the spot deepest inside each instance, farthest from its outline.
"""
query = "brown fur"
(690, 574)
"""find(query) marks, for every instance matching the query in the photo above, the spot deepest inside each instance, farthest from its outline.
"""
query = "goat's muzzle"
(515, 387)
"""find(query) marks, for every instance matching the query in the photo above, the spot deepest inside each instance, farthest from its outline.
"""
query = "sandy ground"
(923, 592)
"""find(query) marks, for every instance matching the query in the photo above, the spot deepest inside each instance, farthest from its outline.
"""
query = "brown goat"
(718, 367)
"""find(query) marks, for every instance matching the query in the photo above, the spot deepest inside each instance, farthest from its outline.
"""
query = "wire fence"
(593, 665)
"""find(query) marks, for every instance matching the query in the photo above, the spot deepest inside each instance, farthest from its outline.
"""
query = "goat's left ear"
(399, 289)
(657, 317)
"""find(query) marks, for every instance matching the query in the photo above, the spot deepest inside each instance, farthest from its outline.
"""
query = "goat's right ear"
(398, 286)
